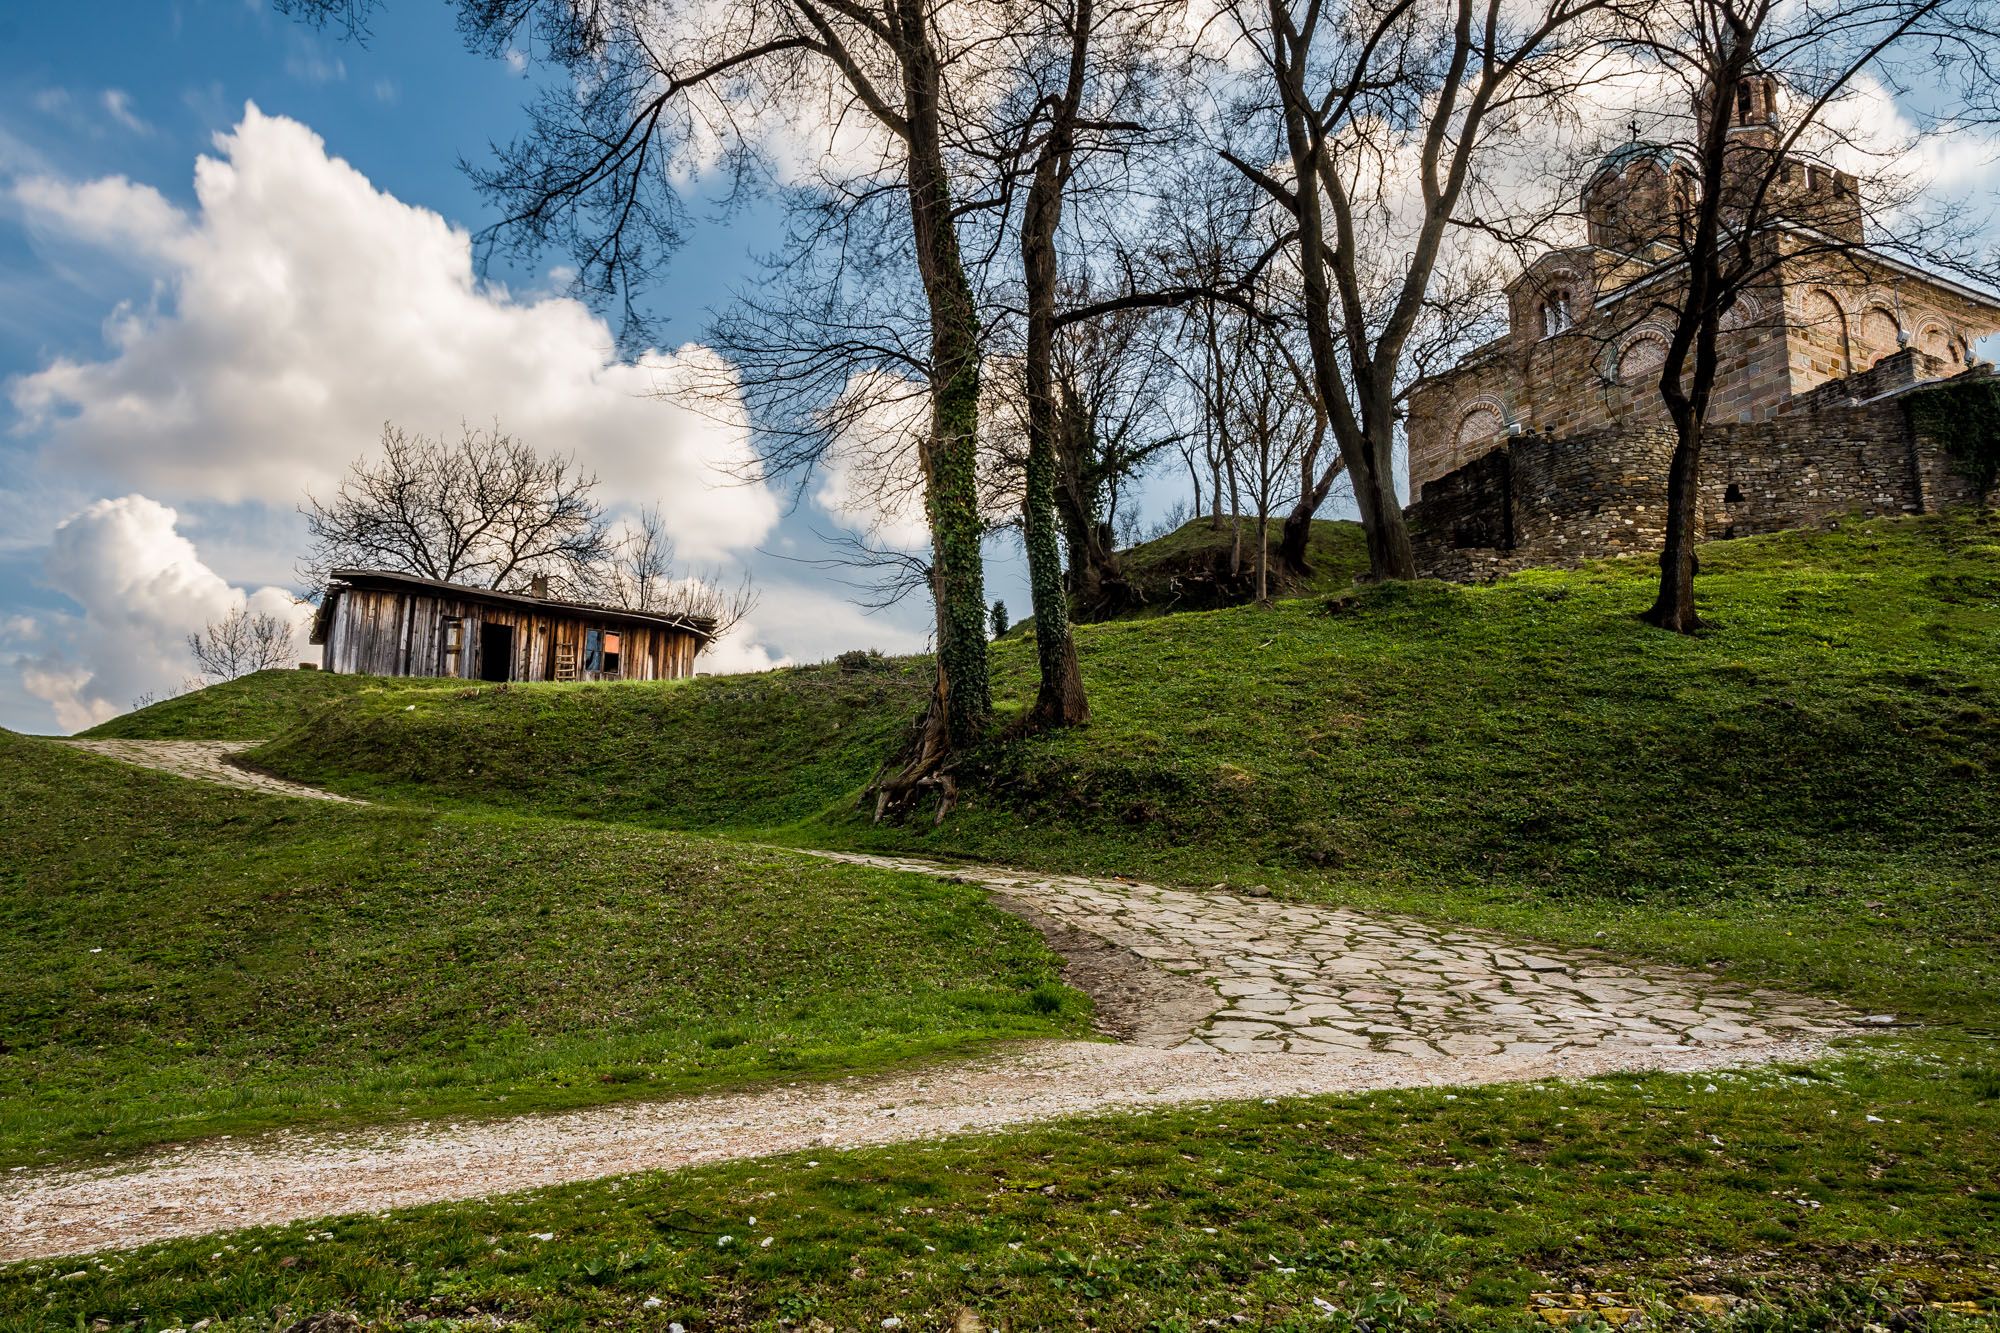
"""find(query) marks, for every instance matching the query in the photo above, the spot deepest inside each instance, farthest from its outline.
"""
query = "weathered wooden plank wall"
(382, 632)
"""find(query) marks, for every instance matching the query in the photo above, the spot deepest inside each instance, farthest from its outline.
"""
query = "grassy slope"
(1811, 786)
(249, 708)
(1808, 784)
(178, 959)
(736, 752)
(1335, 551)
(1818, 1195)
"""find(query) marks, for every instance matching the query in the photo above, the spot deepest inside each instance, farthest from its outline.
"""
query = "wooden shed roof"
(343, 579)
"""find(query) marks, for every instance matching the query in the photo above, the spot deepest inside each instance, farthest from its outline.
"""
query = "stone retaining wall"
(1544, 500)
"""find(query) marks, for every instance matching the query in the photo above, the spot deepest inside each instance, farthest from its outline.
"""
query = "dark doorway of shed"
(496, 651)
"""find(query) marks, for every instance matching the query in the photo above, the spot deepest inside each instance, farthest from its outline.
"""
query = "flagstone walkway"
(1217, 995)
(1300, 979)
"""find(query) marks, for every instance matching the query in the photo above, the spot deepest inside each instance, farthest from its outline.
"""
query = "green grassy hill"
(1188, 569)
(179, 959)
(1529, 754)
(249, 708)
(1808, 793)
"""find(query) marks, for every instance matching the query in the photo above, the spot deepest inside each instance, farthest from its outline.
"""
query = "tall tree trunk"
(1695, 331)
(1673, 605)
(1093, 559)
(1390, 554)
(1059, 701)
(1235, 519)
(961, 696)
(1263, 555)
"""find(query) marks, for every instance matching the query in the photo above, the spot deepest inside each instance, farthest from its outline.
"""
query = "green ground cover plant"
(1803, 1198)
(179, 959)
(1806, 794)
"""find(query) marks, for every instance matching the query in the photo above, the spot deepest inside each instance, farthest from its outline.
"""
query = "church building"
(1837, 324)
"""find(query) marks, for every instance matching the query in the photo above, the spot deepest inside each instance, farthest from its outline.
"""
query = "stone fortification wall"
(1549, 500)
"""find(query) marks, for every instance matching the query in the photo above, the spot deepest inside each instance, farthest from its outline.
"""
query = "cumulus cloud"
(302, 308)
(141, 589)
(806, 622)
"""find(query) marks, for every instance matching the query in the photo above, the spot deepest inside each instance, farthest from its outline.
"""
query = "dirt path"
(1217, 996)
(205, 761)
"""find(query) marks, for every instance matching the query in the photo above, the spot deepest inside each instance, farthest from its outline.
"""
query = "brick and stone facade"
(1556, 431)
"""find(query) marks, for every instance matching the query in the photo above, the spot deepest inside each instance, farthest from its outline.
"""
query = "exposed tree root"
(921, 767)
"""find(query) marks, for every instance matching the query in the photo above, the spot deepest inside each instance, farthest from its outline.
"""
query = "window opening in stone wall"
(1734, 495)
(1555, 314)
(1642, 355)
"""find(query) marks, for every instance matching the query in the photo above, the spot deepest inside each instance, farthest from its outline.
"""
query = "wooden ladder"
(565, 661)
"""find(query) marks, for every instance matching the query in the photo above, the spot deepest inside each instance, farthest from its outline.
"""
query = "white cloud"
(739, 651)
(110, 213)
(118, 105)
(142, 589)
(808, 622)
(302, 308)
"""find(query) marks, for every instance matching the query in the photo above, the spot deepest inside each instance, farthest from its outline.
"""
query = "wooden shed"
(379, 623)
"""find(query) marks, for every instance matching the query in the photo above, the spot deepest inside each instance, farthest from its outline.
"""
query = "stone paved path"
(205, 761)
(1298, 979)
(1247, 997)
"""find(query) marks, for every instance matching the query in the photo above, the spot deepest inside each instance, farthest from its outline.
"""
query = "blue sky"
(139, 92)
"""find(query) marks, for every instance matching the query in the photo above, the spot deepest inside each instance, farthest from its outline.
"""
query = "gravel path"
(205, 761)
(1218, 996)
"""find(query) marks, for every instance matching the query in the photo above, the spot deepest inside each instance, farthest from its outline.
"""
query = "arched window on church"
(1743, 103)
(1556, 313)
(1881, 335)
(1642, 356)
(1936, 341)
(1477, 429)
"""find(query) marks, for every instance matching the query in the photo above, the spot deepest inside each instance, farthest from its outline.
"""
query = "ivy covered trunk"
(961, 700)
(1059, 699)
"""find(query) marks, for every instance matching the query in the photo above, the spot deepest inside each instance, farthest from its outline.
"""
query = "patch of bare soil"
(1137, 1002)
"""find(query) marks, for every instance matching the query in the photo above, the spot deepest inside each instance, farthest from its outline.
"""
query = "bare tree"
(1747, 211)
(240, 643)
(1120, 411)
(1278, 424)
(643, 575)
(654, 87)
(485, 509)
(1364, 98)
